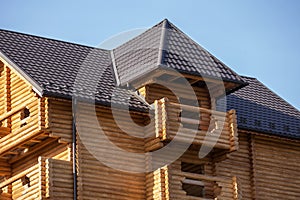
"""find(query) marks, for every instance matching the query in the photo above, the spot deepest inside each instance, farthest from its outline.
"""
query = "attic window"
(257, 123)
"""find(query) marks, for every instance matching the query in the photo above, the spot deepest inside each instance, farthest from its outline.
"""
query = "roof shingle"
(56, 65)
(260, 109)
(164, 45)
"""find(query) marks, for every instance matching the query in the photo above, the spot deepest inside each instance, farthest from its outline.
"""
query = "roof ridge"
(162, 43)
(217, 61)
(47, 38)
(148, 29)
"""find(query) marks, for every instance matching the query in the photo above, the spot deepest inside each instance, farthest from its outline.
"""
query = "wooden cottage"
(158, 117)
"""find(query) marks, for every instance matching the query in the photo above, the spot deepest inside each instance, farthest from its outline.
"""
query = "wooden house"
(158, 117)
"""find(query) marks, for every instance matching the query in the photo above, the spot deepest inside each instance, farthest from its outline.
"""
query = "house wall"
(95, 179)
(24, 141)
(262, 168)
(238, 164)
(276, 165)
(266, 167)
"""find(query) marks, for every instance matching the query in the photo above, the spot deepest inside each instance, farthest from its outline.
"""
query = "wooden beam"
(202, 177)
(12, 111)
(24, 138)
(14, 178)
(33, 149)
(4, 131)
(193, 182)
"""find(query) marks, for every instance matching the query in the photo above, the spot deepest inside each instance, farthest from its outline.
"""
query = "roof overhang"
(35, 86)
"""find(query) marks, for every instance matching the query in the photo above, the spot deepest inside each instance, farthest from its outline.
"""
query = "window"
(193, 187)
(25, 113)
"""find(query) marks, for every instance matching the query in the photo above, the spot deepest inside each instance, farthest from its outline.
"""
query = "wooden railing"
(24, 128)
(202, 126)
(49, 178)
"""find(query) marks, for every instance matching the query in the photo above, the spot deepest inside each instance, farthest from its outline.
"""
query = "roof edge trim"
(35, 86)
(268, 134)
(114, 66)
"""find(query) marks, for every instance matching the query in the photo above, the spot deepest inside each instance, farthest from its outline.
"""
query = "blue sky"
(258, 38)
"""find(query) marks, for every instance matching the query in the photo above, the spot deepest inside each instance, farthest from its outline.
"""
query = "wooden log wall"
(24, 137)
(20, 127)
(266, 167)
(223, 141)
(2, 88)
(239, 165)
(28, 189)
(59, 179)
(60, 119)
(276, 165)
(229, 138)
(22, 94)
(187, 170)
(97, 181)
(153, 92)
(29, 164)
(48, 178)
(49, 148)
(157, 184)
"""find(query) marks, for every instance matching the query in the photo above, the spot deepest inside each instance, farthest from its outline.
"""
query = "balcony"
(201, 127)
(170, 182)
(49, 178)
(20, 128)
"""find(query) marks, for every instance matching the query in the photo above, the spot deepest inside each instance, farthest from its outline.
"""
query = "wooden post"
(233, 130)
(164, 116)
(251, 139)
(161, 118)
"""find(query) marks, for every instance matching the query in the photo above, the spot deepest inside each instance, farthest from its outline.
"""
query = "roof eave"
(268, 133)
(35, 86)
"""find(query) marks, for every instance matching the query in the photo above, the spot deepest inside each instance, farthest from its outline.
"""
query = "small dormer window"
(25, 114)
